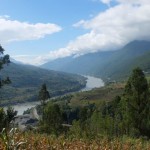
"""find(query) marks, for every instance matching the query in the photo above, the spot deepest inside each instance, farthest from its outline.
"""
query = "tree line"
(128, 114)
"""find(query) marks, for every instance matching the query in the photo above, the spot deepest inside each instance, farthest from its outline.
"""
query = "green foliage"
(138, 101)
(75, 130)
(43, 94)
(4, 59)
(102, 113)
(10, 114)
(9, 139)
(6, 117)
(106, 112)
(127, 114)
(52, 119)
(2, 118)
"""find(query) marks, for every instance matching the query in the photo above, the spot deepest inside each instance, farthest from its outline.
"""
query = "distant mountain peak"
(136, 43)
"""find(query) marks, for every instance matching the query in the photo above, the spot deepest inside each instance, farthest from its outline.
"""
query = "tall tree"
(43, 94)
(52, 120)
(10, 114)
(2, 118)
(138, 100)
(4, 59)
(5, 117)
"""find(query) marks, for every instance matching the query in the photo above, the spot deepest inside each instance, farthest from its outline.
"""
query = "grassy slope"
(97, 96)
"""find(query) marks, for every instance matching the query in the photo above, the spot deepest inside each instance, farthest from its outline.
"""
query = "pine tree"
(43, 94)
(2, 118)
(138, 101)
(4, 59)
(52, 119)
(10, 114)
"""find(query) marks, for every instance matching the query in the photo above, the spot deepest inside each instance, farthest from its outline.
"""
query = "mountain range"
(108, 65)
(114, 65)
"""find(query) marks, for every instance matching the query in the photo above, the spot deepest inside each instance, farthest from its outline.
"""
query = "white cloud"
(111, 29)
(127, 21)
(133, 1)
(78, 24)
(13, 30)
(106, 2)
(29, 59)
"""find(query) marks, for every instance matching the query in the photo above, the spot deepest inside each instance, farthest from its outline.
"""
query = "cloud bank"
(128, 20)
(13, 30)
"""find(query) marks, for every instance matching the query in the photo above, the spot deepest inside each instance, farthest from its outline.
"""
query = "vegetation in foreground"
(36, 141)
(106, 122)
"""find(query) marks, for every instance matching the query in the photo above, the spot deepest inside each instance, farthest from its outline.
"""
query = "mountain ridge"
(106, 64)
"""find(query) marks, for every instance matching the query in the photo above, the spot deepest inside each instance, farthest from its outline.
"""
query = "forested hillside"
(26, 81)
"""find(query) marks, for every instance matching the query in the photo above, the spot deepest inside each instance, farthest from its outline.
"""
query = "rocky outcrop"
(27, 121)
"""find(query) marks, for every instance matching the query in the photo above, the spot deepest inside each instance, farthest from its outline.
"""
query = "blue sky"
(35, 31)
(61, 12)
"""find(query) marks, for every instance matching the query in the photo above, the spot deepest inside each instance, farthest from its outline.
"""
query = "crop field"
(36, 141)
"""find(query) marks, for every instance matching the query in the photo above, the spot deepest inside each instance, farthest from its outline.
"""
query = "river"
(92, 82)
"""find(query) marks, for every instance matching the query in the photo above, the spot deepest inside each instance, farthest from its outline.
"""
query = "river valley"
(92, 82)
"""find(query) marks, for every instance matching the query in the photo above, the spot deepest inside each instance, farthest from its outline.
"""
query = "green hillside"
(108, 64)
(27, 80)
(86, 64)
(95, 96)
(121, 63)
(143, 62)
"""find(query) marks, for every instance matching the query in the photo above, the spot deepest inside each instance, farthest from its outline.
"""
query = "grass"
(35, 141)
(148, 78)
